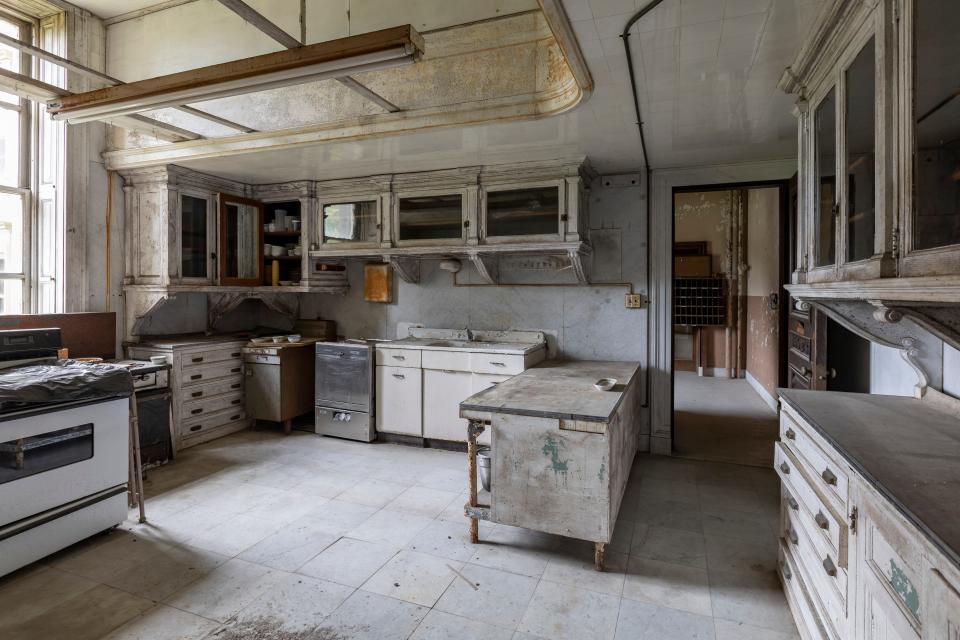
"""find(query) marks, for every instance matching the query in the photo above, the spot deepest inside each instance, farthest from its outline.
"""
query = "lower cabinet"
(444, 390)
(399, 400)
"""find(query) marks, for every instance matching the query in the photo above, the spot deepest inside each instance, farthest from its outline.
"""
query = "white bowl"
(605, 384)
(158, 359)
(294, 338)
(279, 339)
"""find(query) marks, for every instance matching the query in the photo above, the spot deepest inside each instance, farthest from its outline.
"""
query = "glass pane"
(9, 148)
(861, 97)
(936, 212)
(193, 237)
(11, 233)
(243, 229)
(35, 454)
(11, 296)
(431, 217)
(9, 57)
(825, 154)
(350, 222)
(523, 212)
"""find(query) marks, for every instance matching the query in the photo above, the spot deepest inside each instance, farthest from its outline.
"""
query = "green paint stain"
(904, 588)
(551, 449)
(603, 469)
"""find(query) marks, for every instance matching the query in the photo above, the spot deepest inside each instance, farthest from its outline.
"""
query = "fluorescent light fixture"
(344, 57)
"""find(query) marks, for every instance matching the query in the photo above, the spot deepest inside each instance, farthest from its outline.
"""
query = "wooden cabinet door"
(240, 241)
(399, 400)
(443, 391)
(806, 349)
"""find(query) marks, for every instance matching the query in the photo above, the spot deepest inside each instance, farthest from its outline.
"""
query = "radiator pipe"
(646, 163)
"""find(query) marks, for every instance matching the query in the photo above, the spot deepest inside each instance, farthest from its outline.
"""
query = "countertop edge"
(935, 540)
(420, 347)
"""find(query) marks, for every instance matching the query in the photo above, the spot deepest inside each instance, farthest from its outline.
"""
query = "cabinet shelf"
(282, 234)
(269, 258)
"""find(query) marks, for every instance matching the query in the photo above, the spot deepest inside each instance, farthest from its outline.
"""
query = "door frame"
(660, 320)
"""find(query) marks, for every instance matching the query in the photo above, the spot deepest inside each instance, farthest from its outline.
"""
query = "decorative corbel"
(486, 266)
(407, 268)
(580, 261)
(220, 304)
(139, 304)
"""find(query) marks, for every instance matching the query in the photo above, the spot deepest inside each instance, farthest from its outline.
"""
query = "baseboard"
(713, 372)
(763, 393)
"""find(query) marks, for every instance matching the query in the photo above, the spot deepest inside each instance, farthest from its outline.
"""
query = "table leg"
(598, 555)
(137, 461)
(472, 481)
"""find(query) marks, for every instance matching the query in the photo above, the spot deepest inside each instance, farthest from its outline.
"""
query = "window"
(936, 186)
(860, 123)
(825, 140)
(14, 178)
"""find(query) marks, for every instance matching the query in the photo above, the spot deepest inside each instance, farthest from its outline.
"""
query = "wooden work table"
(561, 450)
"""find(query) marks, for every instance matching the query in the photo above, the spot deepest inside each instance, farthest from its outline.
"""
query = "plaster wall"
(891, 375)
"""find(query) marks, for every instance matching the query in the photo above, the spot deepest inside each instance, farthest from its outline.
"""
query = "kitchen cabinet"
(867, 550)
(279, 381)
(441, 403)
(241, 241)
(399, 400)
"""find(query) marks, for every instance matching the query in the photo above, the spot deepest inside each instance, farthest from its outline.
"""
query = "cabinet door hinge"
(853, 520)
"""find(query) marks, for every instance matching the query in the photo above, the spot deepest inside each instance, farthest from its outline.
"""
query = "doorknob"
(830, 374)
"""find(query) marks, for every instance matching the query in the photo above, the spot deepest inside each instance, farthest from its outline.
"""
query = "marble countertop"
(475, 346)
(559, 389)
(904, 447)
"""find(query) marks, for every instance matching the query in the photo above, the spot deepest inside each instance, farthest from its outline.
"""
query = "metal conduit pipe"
(646, 163)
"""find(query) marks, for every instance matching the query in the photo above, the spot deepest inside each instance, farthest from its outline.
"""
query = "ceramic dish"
(605, 384)
(294, 338)
(158, 359)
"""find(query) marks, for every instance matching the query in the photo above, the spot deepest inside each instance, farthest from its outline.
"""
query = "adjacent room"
(500, 320)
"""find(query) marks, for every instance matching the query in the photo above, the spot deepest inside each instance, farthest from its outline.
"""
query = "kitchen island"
(561, 450)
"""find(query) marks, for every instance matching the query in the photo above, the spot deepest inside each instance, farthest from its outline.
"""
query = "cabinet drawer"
(398, 357)
(810, 508)
(211, 404)
(202, 424)
(798, 596)
(207, 372)
(827, 582)
(511, 364)
(215, 388)
(446, 360)
(830, 477)
(199, 358)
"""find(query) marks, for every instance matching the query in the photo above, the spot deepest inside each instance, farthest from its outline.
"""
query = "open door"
(241, 241)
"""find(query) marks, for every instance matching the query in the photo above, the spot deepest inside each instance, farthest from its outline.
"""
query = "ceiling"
(707, 72)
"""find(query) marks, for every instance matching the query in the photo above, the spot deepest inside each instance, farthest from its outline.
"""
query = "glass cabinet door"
(936, 188)
(860, 143)
(430, 218)
(825, 140)
(350, 222)
(241, 241)
(193, 237)
(532, 211)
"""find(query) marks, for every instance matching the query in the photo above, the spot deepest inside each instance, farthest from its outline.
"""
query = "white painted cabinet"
(400, 400)
(482, 382)
(441, 403)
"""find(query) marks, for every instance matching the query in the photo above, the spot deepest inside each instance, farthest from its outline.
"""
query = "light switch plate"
(633, 301)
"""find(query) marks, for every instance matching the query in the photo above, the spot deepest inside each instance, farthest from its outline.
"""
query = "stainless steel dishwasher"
(344, 390)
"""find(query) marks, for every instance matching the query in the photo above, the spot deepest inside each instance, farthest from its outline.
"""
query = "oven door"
(343, 377)
(51, 457)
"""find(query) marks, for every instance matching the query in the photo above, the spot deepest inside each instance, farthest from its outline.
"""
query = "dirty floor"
(258, 536)
(723, 420)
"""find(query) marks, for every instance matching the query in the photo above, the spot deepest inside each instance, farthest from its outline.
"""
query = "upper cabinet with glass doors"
(879, 162)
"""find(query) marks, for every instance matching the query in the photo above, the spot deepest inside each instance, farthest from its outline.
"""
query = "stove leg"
(598, 555)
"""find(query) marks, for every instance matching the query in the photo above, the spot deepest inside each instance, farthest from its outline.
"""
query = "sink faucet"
(469, 334)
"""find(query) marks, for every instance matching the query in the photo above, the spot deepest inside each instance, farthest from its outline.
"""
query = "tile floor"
(264, 537)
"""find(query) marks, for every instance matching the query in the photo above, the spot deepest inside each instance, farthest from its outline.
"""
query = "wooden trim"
(223, 199)
(289, 59)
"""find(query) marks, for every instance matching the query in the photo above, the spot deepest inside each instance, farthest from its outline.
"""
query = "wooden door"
(241, 241)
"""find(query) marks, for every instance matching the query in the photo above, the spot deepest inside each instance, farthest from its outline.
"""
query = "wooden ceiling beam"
(336, 58)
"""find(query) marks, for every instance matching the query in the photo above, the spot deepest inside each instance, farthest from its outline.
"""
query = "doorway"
(731, 254)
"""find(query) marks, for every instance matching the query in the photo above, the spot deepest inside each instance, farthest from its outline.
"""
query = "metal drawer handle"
(498, 364)
(399, 376)
(448, 371)
(236, 417)
(199, 359)
(196, 376)
(829, 567)
(829, 477)
(791, 434)
(786, 570)
(237, 401)
(784, 467)
(399, 357)
(237, 370)
(792, 535)
(236, 385)
(793, 504)
(821, 520)
(196, 411)
(196, 427)
(235, 354)
(196, 394)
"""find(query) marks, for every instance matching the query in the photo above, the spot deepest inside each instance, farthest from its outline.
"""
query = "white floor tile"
(222, 592)
(371, 616)
(414, 577)
(390, 528)
(438, 625)
(642, 621)
(668, 585)
(567, 613)
(349, 562)
(672, 545)
(488, 595)
(164, 623)
(422, 501)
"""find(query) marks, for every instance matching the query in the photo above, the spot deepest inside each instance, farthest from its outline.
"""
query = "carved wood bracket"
(407, 268)
(581, 261)
(139, 305)
(487, 267)
(220, 304)
(894, 327)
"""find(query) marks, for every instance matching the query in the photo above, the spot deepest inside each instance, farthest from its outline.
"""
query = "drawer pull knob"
(829, 567)
(399, 357)
(236, 370)
(829, 477)
(199, 359)
(236, 417)
(821, 520)
(196, 376)
(236, 385)
(791, 434)
(498, 364)
(793, 504)
(196, 394)
(235, 354)
(399, 376)
(784, 467)
(237, 401)
(792, 535)
(196, 427)
(196, 411)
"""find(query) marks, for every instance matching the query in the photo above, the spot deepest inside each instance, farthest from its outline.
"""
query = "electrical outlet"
(633, 301)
